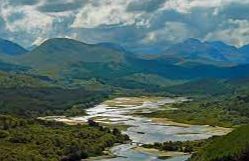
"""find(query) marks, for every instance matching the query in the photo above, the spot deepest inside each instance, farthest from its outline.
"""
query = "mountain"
(114, 47)
(58, 56)
(32, 47)
(245, 51)
(10, 48)
(193, 50)
(75, 63)
(203, 87)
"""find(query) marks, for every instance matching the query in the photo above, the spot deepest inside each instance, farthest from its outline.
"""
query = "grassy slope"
(216, 102)
(225, 112)
(11, 80)
(33, 102)
(233, 147)
(56, 56)
(207, 87)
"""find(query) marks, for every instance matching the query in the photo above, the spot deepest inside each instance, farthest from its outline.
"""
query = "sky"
(131, 23)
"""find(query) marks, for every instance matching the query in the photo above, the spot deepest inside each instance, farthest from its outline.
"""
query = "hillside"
(233, 147)
(207, 87)
(216, 53)
(71, 63)
(10, 48)
(34, 140)
(59, 54)
(9, 80)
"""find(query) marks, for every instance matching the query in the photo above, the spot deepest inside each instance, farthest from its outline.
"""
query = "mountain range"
(71, 62)
(216, 53)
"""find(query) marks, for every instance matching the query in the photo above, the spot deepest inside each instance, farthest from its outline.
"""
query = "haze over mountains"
(10, 48)
(189, 50)
(193, 50)
(72, 62)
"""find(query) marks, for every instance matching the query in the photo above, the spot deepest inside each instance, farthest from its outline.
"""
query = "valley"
(124, 80)
(141, 130)
(69, 87)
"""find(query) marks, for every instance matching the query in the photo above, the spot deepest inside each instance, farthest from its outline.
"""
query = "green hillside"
(11, 80)
(232, 147)
(72, 64)
(34, 102)
(209, 87)
(56, 56)
(64, 77)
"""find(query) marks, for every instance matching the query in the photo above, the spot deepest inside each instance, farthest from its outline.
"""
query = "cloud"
(24, 18)
(129, 22)
(237, 33)
(186, 6)
(106, 13)
(172, 32)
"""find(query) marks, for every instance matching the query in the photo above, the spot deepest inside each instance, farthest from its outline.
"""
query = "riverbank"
(219, 131)
(127, 113)
(200, 112)
(159, 153)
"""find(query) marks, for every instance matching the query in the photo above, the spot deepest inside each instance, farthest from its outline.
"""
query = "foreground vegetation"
(227, 110)
(232, 147)
(30, 140)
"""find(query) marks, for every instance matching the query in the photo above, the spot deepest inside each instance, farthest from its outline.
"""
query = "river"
(142, 130)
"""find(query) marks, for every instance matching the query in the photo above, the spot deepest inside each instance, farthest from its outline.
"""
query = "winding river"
(142, 130)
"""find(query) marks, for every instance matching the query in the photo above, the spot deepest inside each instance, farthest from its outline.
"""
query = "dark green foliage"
(221, 111)
(11, 80)
(8, 67)
(186, 146)
(232, 147)
(211, 87)
(64, 77)
(32, 102)
(50, 141)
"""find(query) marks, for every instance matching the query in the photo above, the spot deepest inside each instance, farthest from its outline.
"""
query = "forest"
(29, 140)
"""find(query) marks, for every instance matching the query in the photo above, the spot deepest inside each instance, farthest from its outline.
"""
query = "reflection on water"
(142, 130)
(126, 153)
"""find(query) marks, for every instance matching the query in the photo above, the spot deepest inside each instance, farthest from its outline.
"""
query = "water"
(126, 153)
(143, 130)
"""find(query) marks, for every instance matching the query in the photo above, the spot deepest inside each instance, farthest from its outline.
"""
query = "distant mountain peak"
(10, 48)
(191, 40)
(214, 52)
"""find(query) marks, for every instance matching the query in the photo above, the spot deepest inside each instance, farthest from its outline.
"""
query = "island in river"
(124, 112)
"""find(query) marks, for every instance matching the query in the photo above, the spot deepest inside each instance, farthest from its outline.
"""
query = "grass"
(199, 112)
(232, 147)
